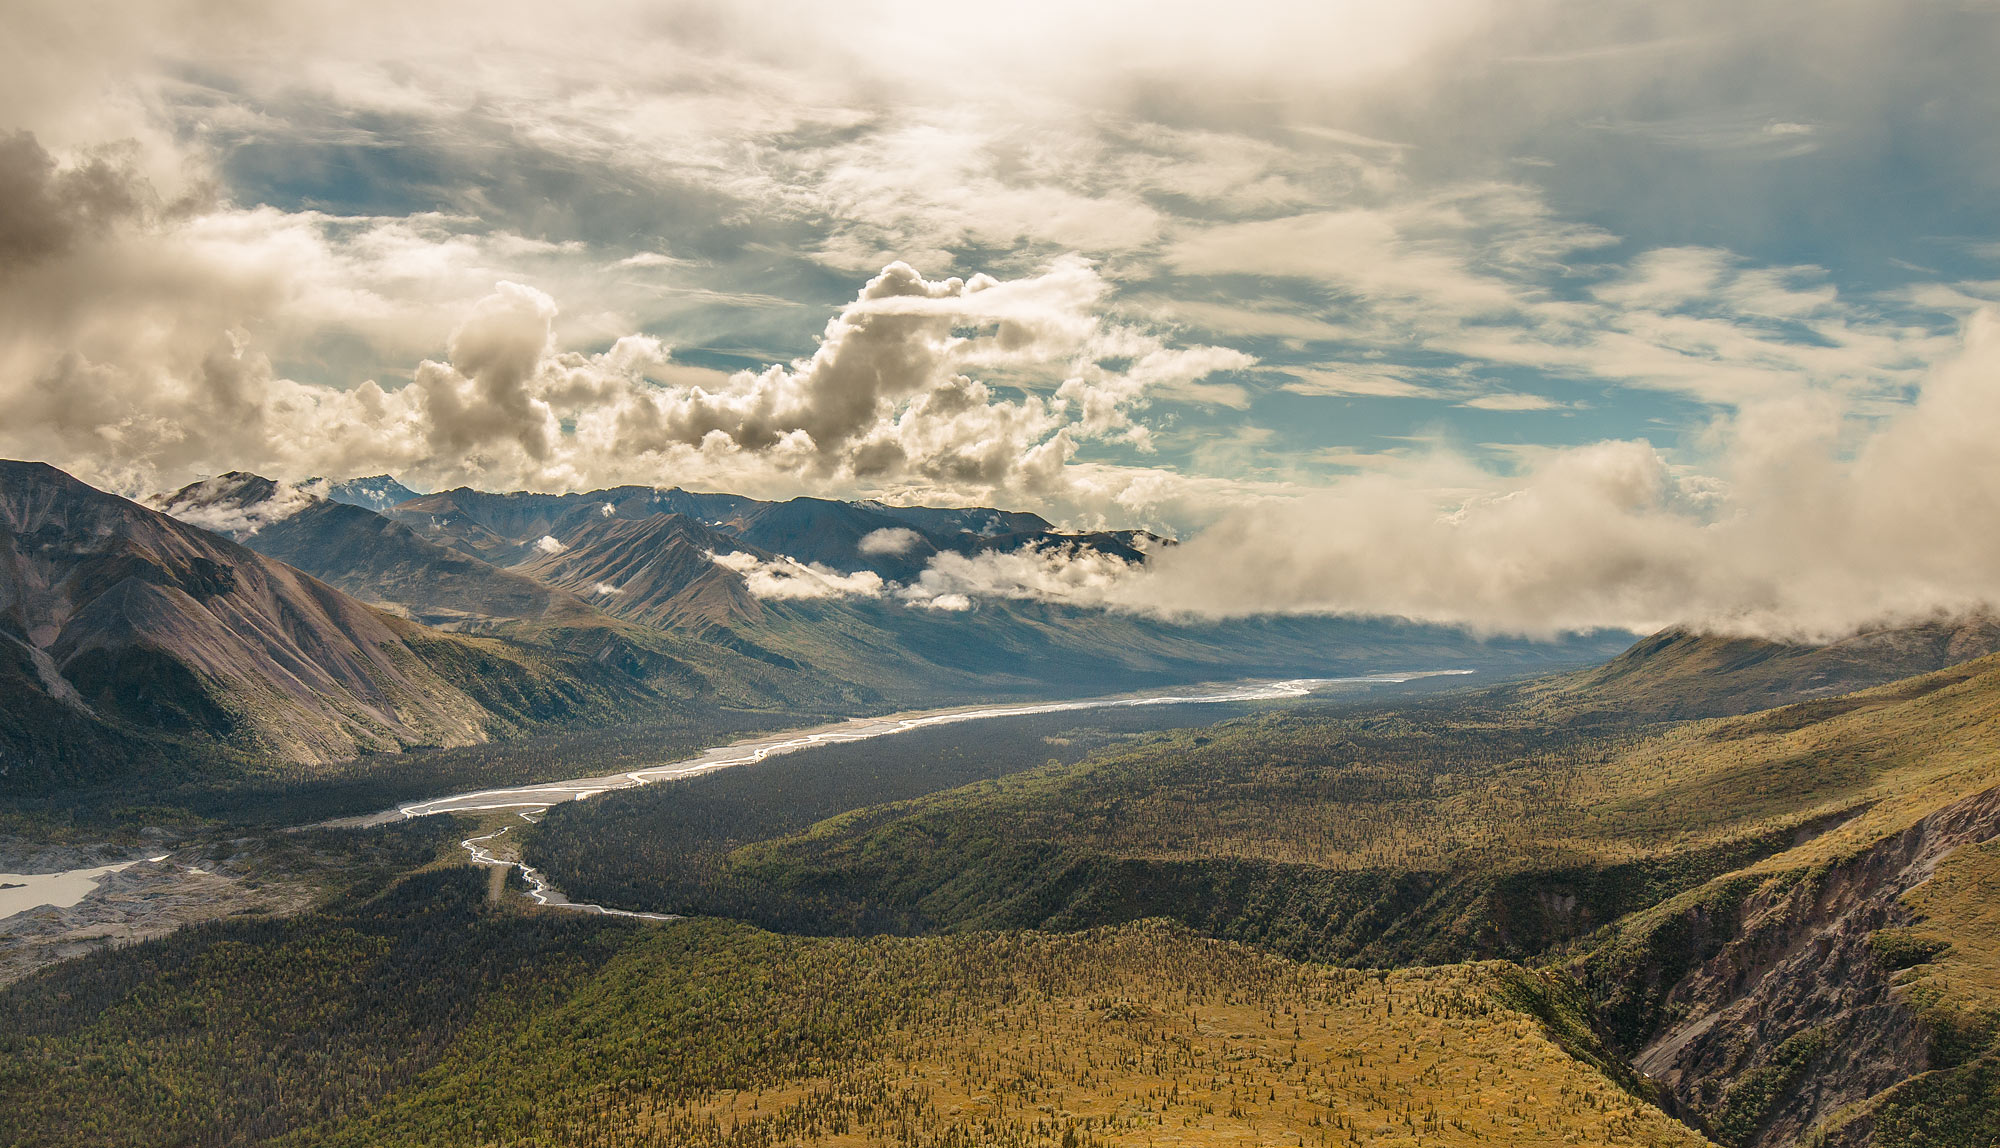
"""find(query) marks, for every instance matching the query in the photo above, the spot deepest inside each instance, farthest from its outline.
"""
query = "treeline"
(250, 795)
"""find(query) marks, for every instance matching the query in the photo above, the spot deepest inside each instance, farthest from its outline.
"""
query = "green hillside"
(1514, 916)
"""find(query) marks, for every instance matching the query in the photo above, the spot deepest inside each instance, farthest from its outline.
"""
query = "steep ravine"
(1759, 1004)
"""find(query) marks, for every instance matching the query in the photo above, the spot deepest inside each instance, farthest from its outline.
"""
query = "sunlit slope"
(1842, 994)
(426, 1014)
(711, 1034)
(1433, 832)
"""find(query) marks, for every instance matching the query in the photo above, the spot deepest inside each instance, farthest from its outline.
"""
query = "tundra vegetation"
(1512, 916)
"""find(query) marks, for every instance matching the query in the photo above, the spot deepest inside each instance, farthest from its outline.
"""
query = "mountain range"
(124, 629)
(246, 622)
(804, 588)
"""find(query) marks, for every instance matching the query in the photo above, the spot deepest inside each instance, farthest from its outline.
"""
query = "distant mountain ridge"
(469, 559)
(896, 542)
(644, 559)
(378, 559)
(377, 492)
(658, 571)
(1682, 673)
(262, 622)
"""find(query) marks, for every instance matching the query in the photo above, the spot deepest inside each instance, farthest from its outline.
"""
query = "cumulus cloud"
(892, 401)
(1362, 200)
(1045, 573)
(889, 540)
(783, 578)
(1809, 524)
(45, 207)
(238, 505)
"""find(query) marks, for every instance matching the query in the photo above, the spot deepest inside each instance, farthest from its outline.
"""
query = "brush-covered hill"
(130, 639)
(1353, 814)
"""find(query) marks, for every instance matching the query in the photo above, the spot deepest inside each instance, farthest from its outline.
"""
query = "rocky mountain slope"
(121, 626)
(377, 559)
(377, 492)
(732, 581)
(657, 571)
(508, 528)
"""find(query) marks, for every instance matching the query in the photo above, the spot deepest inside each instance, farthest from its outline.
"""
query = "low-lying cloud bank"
(1812, 524)
(787, 579)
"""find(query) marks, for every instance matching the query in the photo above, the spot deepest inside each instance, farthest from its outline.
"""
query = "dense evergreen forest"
(254, 798)
(1349, 833)
(1447, 829)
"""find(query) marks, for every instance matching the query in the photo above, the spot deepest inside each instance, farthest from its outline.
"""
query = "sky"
(1529, 317)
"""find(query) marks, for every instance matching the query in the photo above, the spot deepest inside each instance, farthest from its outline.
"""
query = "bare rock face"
(1788, 1014)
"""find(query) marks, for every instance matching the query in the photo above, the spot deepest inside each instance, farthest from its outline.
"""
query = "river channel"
(527, 800)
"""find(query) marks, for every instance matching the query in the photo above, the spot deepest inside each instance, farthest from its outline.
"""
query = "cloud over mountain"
(1811, 523)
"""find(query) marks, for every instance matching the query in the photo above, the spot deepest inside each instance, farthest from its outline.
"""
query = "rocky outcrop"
(1759, 1004)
